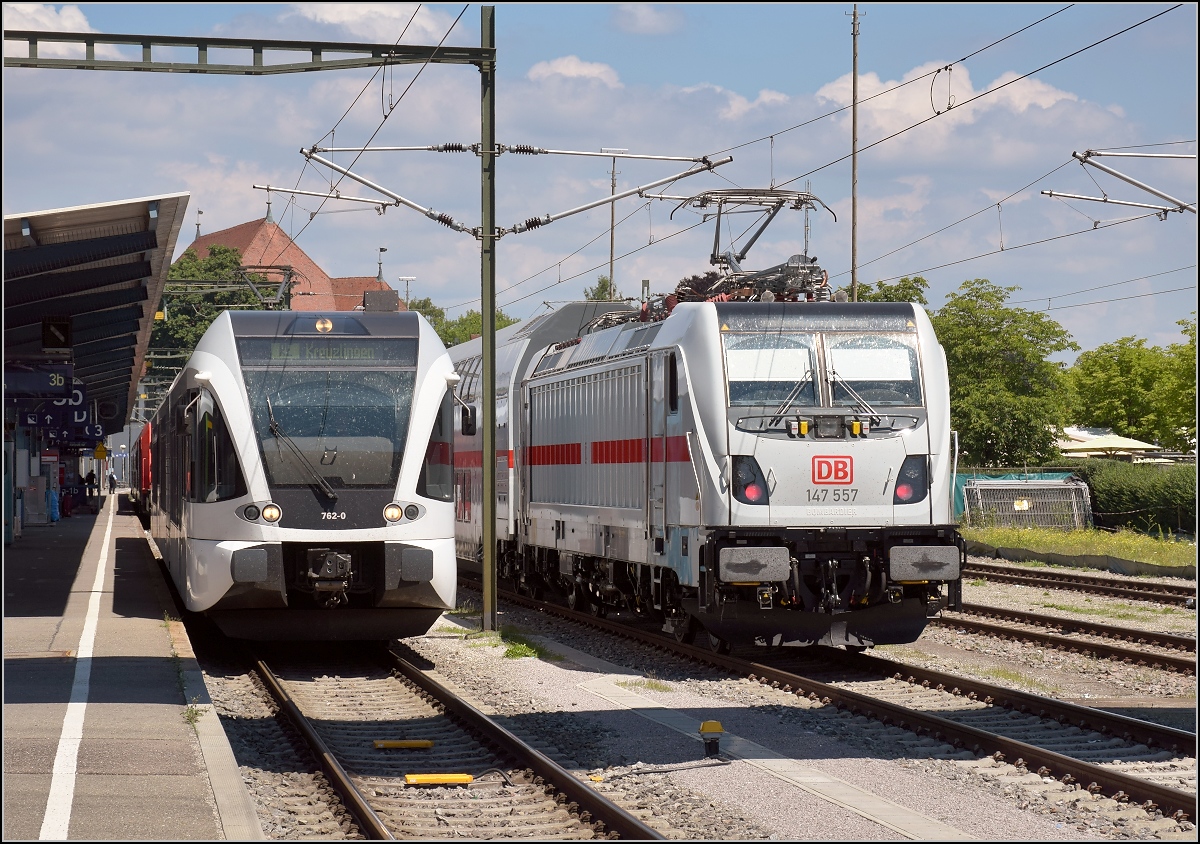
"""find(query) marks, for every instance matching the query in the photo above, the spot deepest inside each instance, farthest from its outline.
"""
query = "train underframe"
(821, 586)
(330, 591)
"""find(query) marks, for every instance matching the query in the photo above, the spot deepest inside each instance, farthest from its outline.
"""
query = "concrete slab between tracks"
(97, 684)
(877, 809)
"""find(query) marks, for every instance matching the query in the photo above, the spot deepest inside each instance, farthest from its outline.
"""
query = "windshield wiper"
(860, 403)
(278, 433)
(792, 395)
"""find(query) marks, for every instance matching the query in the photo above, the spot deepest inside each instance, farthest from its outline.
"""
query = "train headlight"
(252, 512)
(393, 512)
(412, 511)
(272, 513)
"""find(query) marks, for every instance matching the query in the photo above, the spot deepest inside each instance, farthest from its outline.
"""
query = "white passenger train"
(757, 470)
(301, 480)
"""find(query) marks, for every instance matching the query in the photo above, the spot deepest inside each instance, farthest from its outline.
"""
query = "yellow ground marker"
(438, 779)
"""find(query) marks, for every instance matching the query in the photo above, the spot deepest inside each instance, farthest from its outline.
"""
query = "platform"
(108, 730)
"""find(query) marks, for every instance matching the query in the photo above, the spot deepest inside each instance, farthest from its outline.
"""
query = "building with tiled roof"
(264, 243)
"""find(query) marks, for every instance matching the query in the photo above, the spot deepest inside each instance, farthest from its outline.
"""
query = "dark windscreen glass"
(350, 423)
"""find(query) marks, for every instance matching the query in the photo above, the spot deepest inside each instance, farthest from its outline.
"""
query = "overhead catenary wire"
(1099, 227)
(383, 121)
(983, 94)
(894, 88)
(1102, 286)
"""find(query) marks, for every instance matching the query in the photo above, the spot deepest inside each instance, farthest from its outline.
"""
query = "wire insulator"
(452, 147)
(524, 149)
(533, 223)
(446, 220)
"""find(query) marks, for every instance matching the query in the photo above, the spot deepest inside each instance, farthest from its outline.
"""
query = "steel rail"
(1070, 625)
(1172, 802)
(1168, 593)
(369, 822)
(600, 809)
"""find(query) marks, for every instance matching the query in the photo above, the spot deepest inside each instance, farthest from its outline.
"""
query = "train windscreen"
(333, 407)
(768, 369)
(881, 368)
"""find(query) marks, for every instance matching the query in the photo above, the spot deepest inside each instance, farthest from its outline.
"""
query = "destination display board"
(323, 352)
(44, 380)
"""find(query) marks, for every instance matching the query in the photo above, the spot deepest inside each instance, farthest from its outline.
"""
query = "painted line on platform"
(57, 819)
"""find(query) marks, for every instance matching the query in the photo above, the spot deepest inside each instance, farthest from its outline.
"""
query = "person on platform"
(112, 482)
(91, 484)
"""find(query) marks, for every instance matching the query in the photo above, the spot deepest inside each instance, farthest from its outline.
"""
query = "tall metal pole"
(854, 167)
(487, 158)
(612, 228)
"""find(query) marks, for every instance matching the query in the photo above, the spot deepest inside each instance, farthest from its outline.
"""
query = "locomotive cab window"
(770, 369)
(672, 385)
(881, 368)
(437, 471)
(215, 472)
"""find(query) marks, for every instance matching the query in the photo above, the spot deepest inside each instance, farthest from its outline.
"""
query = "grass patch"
(192, 712)
(645, 683)
(515, 644)
(1124, 544)
(1014, 677)
(1118, 612)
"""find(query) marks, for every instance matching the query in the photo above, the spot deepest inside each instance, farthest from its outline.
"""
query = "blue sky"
(683, 80)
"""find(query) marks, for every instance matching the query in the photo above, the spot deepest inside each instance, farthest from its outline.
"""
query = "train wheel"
(685, 629)
(576, 599)
(718, 645)
(597, 609)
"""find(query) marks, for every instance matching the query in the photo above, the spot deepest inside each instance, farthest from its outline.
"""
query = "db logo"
(838, 471)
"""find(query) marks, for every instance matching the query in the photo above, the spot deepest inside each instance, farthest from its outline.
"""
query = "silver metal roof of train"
(103, 267)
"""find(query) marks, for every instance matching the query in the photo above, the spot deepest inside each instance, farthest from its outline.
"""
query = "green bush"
(1149, 497)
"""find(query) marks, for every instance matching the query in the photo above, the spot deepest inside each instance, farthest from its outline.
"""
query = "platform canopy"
(93, 274)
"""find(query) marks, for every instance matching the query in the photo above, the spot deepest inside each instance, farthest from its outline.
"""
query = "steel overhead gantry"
(362, 55)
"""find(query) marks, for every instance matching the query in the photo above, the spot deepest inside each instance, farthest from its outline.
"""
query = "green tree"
(470, 324)
(905, 290)
(1121, 385)
(1140, 391)
(430, 311)
(1006, 399)
(188, 315)
(604, 291)
(1179, 390)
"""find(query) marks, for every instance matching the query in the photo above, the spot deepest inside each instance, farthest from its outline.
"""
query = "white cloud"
(46, 18)
(573, 67)
(736, 106)
(647, 19)
(380, 22)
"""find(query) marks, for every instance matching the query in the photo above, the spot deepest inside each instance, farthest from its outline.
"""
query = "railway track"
(411, 759)
(1152, 650)
(1062, 745)
(1133, 589)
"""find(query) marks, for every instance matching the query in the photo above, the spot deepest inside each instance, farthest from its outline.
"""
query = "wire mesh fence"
(1064, 504)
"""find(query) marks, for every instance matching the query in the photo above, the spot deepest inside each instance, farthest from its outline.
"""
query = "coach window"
(216, 474)
(672, 385)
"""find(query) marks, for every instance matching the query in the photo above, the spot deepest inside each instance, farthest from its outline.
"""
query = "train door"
(656, 413)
